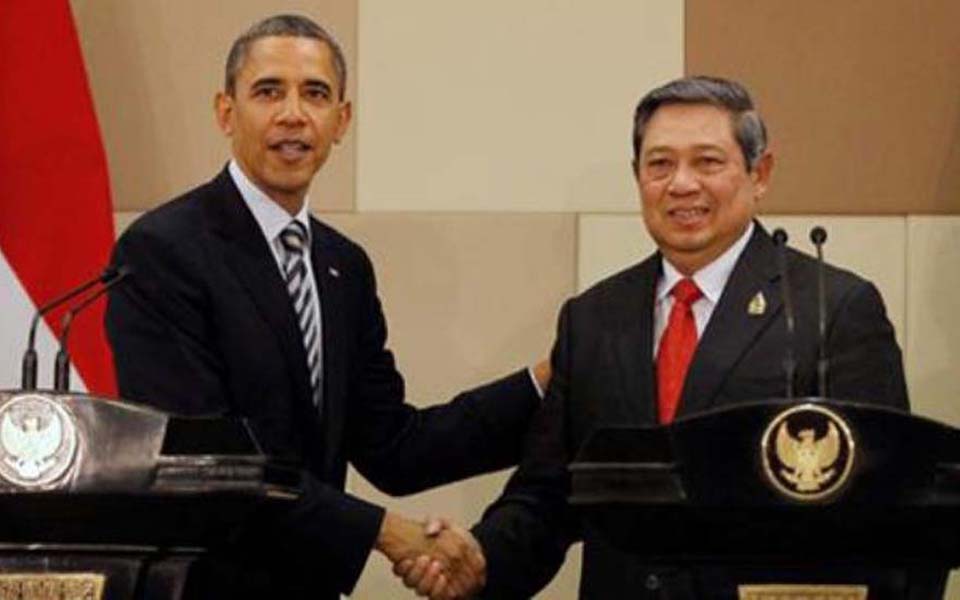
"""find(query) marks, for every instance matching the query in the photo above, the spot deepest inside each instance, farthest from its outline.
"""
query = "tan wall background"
(488, 172)
(504, 105)
(862, 98)
(154, 67)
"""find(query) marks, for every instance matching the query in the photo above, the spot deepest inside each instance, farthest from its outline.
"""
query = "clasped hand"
(436, 559)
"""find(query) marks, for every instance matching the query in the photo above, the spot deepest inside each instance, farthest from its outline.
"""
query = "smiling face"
(698, 196)
(284, 115)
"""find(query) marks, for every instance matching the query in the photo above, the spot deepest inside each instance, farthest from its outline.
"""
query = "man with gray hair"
(695, 326)
(243, 304)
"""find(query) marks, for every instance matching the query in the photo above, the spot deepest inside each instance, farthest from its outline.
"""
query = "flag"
(56, 225)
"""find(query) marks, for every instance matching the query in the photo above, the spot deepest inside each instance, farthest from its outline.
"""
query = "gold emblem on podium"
(808, 452)
(51, 586)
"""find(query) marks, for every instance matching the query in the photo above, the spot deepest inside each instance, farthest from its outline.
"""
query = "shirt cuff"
(536, 384)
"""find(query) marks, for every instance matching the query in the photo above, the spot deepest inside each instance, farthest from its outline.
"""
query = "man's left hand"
(455, 571)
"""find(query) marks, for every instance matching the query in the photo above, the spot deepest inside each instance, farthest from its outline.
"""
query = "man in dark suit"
(243, 304)
(698, 324)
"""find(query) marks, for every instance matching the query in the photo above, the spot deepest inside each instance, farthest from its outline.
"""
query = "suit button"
(652, 583)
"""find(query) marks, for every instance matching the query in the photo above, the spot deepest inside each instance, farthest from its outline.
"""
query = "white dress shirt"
(711, 280)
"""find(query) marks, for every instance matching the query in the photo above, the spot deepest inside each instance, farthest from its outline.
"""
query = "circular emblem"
(38, 441)
(808, 452)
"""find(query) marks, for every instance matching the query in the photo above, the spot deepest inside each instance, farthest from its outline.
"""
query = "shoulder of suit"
(804, 266)
(626, 281)
(179, 220)
(347, 249)
(329, 235)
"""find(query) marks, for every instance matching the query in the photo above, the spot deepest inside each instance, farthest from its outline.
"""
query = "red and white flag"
(56, 224)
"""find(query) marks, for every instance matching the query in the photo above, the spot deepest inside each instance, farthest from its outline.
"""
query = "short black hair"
(283, 26)
(748, 127)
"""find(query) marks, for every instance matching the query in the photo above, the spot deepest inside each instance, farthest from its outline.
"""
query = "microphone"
(789, 361)
(818, 235)
(28, 379)
(61, 369)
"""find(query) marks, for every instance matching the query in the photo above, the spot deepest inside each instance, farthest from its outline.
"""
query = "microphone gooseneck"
(818, 235)
(61, 369)
(789, 359)
(28, 375)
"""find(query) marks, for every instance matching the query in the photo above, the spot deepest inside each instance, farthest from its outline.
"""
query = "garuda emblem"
(37, 441)
(811, 453)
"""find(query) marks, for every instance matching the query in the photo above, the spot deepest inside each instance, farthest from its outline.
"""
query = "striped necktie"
(293, 238)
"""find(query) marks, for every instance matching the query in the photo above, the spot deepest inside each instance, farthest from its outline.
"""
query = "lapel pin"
(757, 306)
(333, 272)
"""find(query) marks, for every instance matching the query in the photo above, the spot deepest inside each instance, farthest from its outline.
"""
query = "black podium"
(114, 501)
(815, 498)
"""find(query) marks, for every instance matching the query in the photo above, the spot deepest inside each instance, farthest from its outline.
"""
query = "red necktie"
(677, 344)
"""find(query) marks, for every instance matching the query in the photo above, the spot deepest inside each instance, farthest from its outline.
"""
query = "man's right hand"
(436, 559)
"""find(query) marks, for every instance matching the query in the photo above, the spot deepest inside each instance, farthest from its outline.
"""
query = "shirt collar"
(712, 278)
(268, 214)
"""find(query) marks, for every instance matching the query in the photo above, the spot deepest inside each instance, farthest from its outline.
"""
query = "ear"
(223, 111)
(635, 170)
(761, 174)
(346, 115)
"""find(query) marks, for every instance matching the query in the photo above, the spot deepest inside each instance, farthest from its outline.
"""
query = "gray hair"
(748, 127)
(283, 26)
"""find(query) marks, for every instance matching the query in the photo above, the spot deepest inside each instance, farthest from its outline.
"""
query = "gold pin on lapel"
(757, 306)
(333, 272)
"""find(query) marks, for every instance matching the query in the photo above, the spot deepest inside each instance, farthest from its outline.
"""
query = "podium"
(809, 498)
(102, 500)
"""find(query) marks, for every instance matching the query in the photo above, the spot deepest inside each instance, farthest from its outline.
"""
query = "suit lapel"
(732, 328)
(249, 256)
(633, 344)
(329, 273)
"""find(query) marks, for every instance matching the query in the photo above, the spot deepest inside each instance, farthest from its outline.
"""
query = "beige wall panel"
(874, 247)
(467, 298)
(505, 105)
(154, 66)
(933, 340)
(862, 98)
(933, 295)
(608, 244)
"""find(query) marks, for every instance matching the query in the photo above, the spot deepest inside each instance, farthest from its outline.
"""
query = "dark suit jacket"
(603, 374)
(205, 327)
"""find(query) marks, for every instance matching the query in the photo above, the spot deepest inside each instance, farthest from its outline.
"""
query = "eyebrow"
(319, 83)
(709, 147)
(276, 81)
(266, 81)
(698, 147)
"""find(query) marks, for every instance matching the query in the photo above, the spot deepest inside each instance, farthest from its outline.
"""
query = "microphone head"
(109, 273)
(780, 236)
(818, 235)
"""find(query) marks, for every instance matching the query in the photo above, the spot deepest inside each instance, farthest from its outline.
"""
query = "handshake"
(436, 559)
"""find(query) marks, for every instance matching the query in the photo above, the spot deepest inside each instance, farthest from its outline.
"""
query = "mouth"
(291, 150)
(688, 216)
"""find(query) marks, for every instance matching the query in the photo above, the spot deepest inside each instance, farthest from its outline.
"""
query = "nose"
(684, 181)
(291, 112)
